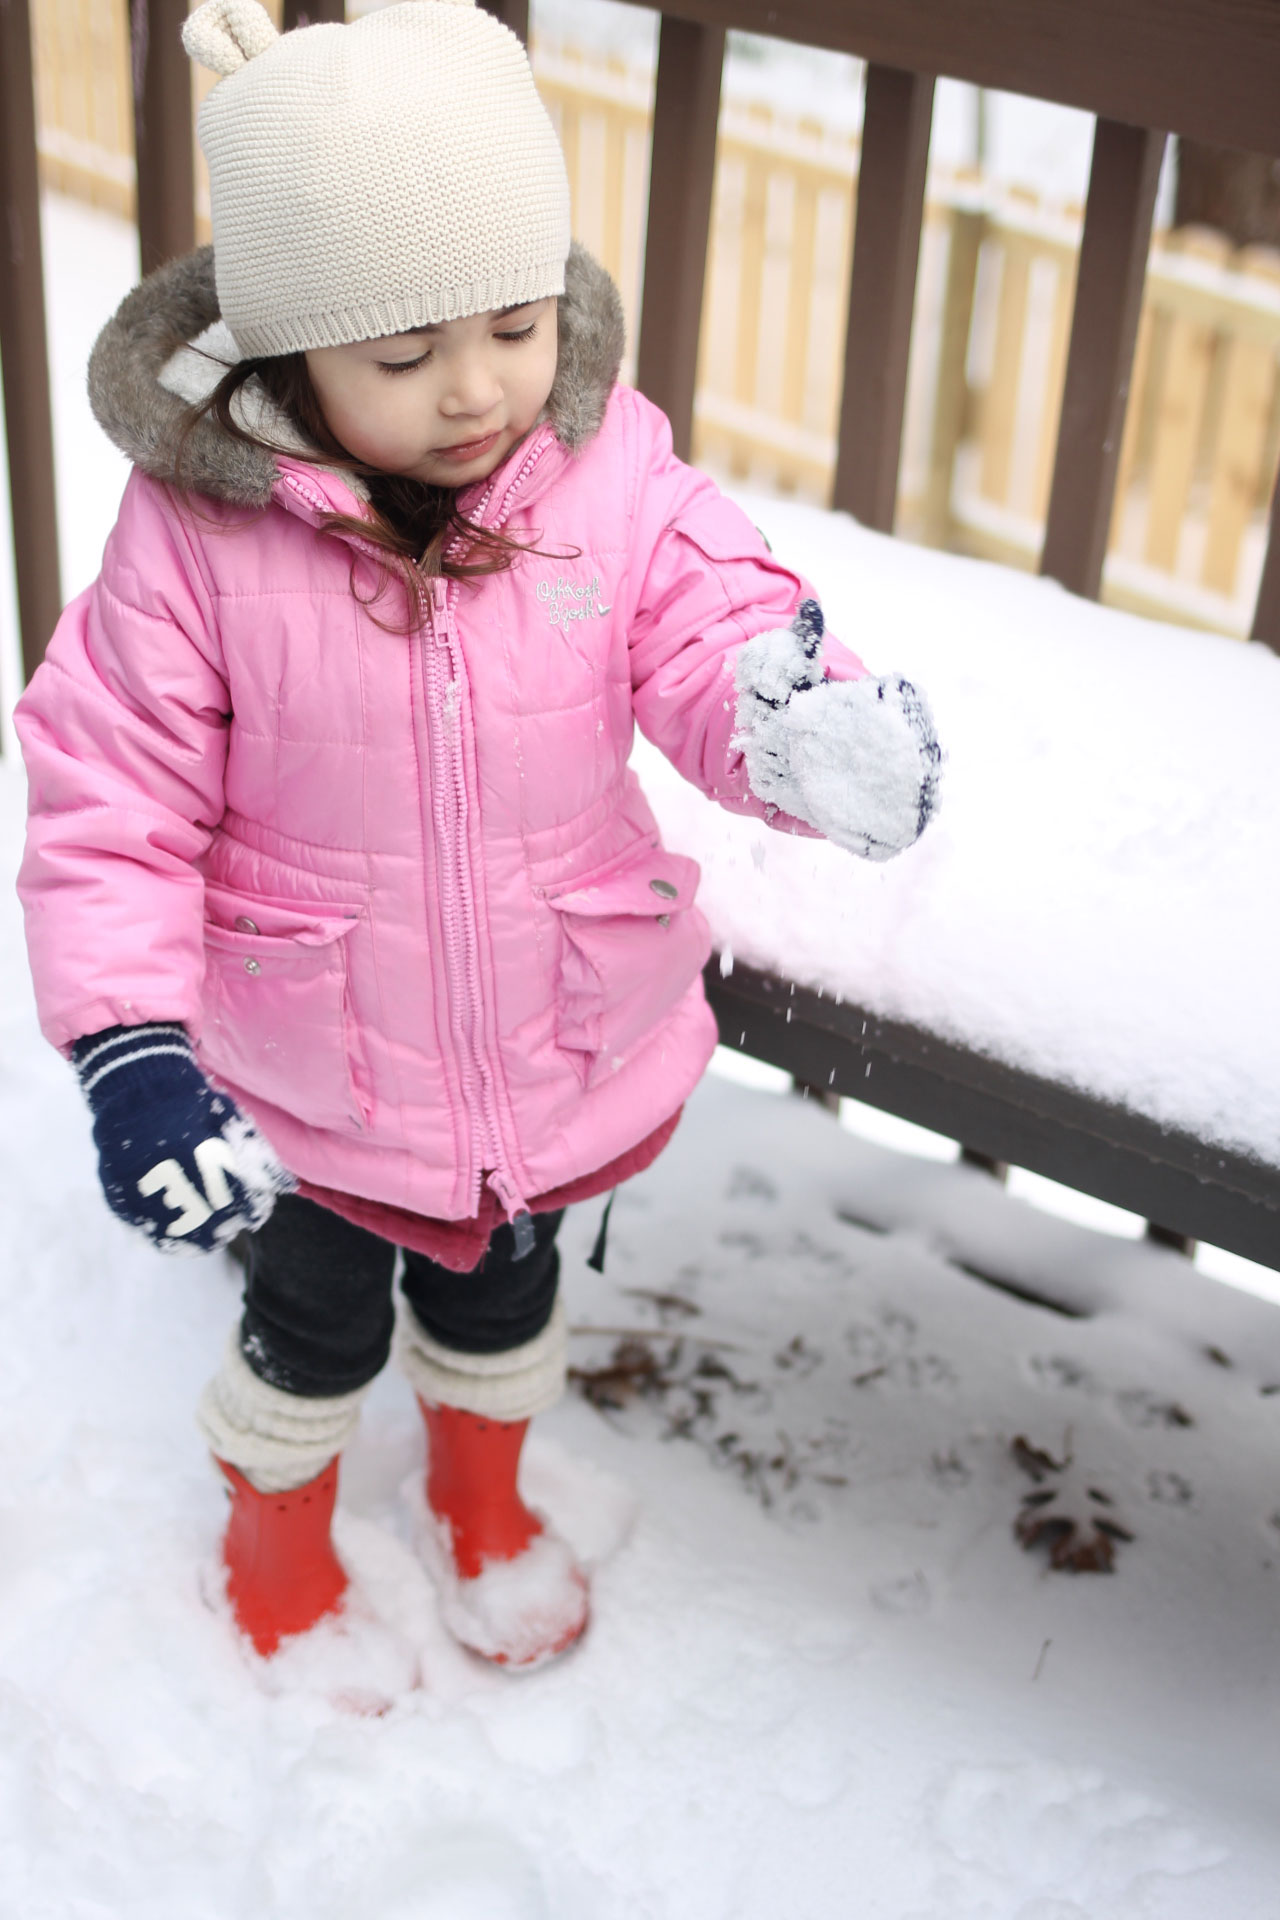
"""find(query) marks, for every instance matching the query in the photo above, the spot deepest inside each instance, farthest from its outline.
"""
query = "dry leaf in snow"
(1067, 1513)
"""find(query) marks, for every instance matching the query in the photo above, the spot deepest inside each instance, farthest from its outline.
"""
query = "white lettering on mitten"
(180, 1195)
(177, 1159)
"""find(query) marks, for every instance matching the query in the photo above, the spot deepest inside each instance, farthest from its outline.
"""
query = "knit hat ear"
(223, 34)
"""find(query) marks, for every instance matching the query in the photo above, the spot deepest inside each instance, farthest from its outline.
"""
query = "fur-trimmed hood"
(166, 346)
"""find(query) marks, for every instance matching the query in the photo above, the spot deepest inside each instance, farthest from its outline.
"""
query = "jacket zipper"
(461, 936)
(462, 943)
(457, 906)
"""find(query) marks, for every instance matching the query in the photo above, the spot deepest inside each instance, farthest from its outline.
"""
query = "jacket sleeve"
(706, 584)
(124, 734)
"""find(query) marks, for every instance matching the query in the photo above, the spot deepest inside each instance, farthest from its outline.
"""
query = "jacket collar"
(167, 346)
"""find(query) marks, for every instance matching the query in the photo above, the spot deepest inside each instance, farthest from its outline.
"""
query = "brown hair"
(416, 528)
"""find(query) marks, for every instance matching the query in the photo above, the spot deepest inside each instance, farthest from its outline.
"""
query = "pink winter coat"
(404, 892)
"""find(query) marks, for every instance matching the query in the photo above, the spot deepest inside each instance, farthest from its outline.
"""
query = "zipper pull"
(439, 624)
(522, 1228)
(517, 1212)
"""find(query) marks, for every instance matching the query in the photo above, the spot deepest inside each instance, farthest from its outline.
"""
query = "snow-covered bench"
(1076, 970)
(1073, 972)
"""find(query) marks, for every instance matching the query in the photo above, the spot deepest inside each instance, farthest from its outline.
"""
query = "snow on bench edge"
(1097, 901)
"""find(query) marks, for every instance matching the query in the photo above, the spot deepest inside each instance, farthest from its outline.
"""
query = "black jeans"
(318, 1310)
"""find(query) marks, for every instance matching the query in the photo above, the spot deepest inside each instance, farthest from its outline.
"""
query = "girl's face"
(444, 404)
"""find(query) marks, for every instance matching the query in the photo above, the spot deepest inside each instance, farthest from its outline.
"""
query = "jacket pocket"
(277, 1015)
(632, 945)
(722, 533)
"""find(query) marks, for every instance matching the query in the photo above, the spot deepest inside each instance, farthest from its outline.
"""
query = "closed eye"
(402, 366)
(525, 333)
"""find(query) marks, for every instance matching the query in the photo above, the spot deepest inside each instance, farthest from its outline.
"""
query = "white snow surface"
(1096, 898)
(821, 1676)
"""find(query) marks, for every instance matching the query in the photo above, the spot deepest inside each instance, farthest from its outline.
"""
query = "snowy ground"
(823, 1677)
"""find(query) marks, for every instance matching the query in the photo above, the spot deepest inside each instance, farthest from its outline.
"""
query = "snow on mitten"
(177, 1160)
(856, 759)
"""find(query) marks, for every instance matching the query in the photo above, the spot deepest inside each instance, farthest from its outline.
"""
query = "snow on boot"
(282, 1572)
(510, 1588)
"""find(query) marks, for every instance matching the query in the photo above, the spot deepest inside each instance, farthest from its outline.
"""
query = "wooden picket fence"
(1202, 436)
(993, 315)
(993, 319)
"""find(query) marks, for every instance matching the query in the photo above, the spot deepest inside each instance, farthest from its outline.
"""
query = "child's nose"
(473, 388)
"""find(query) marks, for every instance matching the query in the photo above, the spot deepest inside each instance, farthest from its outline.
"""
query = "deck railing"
(990, 330)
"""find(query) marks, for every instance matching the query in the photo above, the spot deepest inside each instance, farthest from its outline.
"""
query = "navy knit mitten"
(177, 1159)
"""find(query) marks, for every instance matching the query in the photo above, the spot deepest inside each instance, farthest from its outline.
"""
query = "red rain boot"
(512, 1589)
(282, 1572)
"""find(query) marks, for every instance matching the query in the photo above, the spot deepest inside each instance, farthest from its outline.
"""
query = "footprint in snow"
(747, 1183)
(1060, 1371)
(1169, 1489)
(464, 1873)
(909, 1593)
(742, 1240)
(882, 1352)
(1143, 1409)
(798, 1358)
(949, 1470)
(1065, 1841)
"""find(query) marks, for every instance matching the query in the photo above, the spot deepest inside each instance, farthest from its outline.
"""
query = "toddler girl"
(339, 892)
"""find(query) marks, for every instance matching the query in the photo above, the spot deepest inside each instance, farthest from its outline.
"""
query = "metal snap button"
(244, 924)
(664, 919)
(664, 889)
(253, 966)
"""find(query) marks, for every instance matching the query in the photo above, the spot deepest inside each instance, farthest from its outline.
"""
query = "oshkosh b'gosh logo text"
(565, 600)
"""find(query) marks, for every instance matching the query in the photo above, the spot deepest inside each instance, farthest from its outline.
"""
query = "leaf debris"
(1074, 1519)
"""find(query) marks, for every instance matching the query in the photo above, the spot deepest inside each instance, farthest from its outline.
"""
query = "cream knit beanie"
(374, 177)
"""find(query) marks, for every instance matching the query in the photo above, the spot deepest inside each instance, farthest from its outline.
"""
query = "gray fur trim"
(592, 337)
(134, 404)
(171, 307)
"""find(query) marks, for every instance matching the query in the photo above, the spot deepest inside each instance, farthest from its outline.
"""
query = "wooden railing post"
(1266, 616)
(882, 291)
(512, 13)
(162, 131)
(321, 13)
(23, 348)
(681, 175)
(1104, 328)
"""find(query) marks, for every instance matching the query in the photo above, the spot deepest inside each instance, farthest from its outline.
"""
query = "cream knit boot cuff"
(278, 1440)
(499, 1386)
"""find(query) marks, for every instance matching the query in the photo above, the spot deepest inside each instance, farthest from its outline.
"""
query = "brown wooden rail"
(1208, 68)
(1197, 1191)
(23, 355)
(1145, 69)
